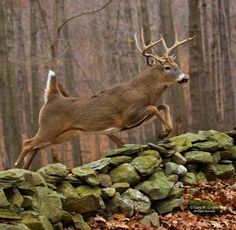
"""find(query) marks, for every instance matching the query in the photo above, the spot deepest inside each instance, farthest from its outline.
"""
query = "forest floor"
(220, 192)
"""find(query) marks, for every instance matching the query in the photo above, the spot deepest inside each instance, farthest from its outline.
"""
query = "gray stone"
(105, 180)
(141, 203)
(189, 179)
(151, 219)
(86, 174)
(157, 187)
(146, 165)
(100, 165)
(199, 157)
(181, 170)
(178, 158)
(124, 173)
(167, 205)
(120, 187)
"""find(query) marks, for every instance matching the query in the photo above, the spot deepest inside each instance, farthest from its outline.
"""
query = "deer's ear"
(151, 61)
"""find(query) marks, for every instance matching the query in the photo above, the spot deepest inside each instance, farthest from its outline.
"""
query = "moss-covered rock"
(36, 221)
(157, 187)
(79, 222)
(167, 205)
(121, 187)
(127, 150)
(118, 160)
(221, 171)
(207, 146)
(14, 227)
(86, 174)
(199, 157)
(15, 199)
(151, 219)
(223, 139)
(141, 203)
(108, 192)
(146, 165)
(117, 204)
(49, 203)
(4, 203)
(105, 180)
(8, 215)
(178, 158)
(182, 143)
(201, 178)
(53, 173)
(100, 165)
(189, 179)
(124, 173)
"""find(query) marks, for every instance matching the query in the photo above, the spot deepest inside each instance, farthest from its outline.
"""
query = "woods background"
(90, 46)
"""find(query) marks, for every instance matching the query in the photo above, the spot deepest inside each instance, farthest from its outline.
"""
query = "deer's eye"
(167, 68)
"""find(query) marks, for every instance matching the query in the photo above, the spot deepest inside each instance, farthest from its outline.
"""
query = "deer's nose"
(183, 79)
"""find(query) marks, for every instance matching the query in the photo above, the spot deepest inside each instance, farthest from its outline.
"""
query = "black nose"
(184, 80)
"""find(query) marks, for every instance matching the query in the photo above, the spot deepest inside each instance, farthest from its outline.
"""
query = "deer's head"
(165, 65)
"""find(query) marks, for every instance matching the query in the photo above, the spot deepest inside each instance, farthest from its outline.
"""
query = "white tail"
(51, 74)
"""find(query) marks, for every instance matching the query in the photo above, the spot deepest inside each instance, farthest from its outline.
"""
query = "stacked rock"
(145, 179)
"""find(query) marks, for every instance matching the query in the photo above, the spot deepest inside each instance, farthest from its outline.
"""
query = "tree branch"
(81, 14)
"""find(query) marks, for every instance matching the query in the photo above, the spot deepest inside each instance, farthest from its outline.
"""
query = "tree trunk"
(174, 94)
(195, 66)
(70, 84)
(34, 74)
(10, 119)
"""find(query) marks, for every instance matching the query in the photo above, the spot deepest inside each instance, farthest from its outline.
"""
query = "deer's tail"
(51, 87)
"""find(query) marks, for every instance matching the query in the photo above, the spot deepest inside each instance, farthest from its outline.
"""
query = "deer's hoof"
(164, 134)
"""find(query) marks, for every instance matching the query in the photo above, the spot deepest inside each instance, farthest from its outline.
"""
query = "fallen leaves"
(219, 192)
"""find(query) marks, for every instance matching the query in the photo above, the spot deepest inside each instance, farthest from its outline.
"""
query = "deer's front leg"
(167, 116)
(135, 117)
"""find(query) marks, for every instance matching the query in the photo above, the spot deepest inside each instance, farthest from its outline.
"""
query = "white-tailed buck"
(121, 107)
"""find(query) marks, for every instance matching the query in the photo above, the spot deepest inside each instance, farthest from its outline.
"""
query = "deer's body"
(115, 109)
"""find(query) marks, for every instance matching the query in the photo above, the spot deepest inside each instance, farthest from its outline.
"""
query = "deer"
(113, 110)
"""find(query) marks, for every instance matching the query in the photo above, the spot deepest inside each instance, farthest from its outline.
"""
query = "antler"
(177, 43)
(147, 47)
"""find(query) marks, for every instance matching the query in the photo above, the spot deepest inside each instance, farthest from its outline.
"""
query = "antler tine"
(177, 43)
(137, 45)
(143, 50)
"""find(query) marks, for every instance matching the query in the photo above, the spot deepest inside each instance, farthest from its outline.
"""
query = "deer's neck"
(151, 83)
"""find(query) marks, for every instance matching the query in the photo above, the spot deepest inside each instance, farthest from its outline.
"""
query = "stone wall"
(146, 179)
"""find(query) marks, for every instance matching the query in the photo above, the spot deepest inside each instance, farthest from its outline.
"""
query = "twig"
(81, 14)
